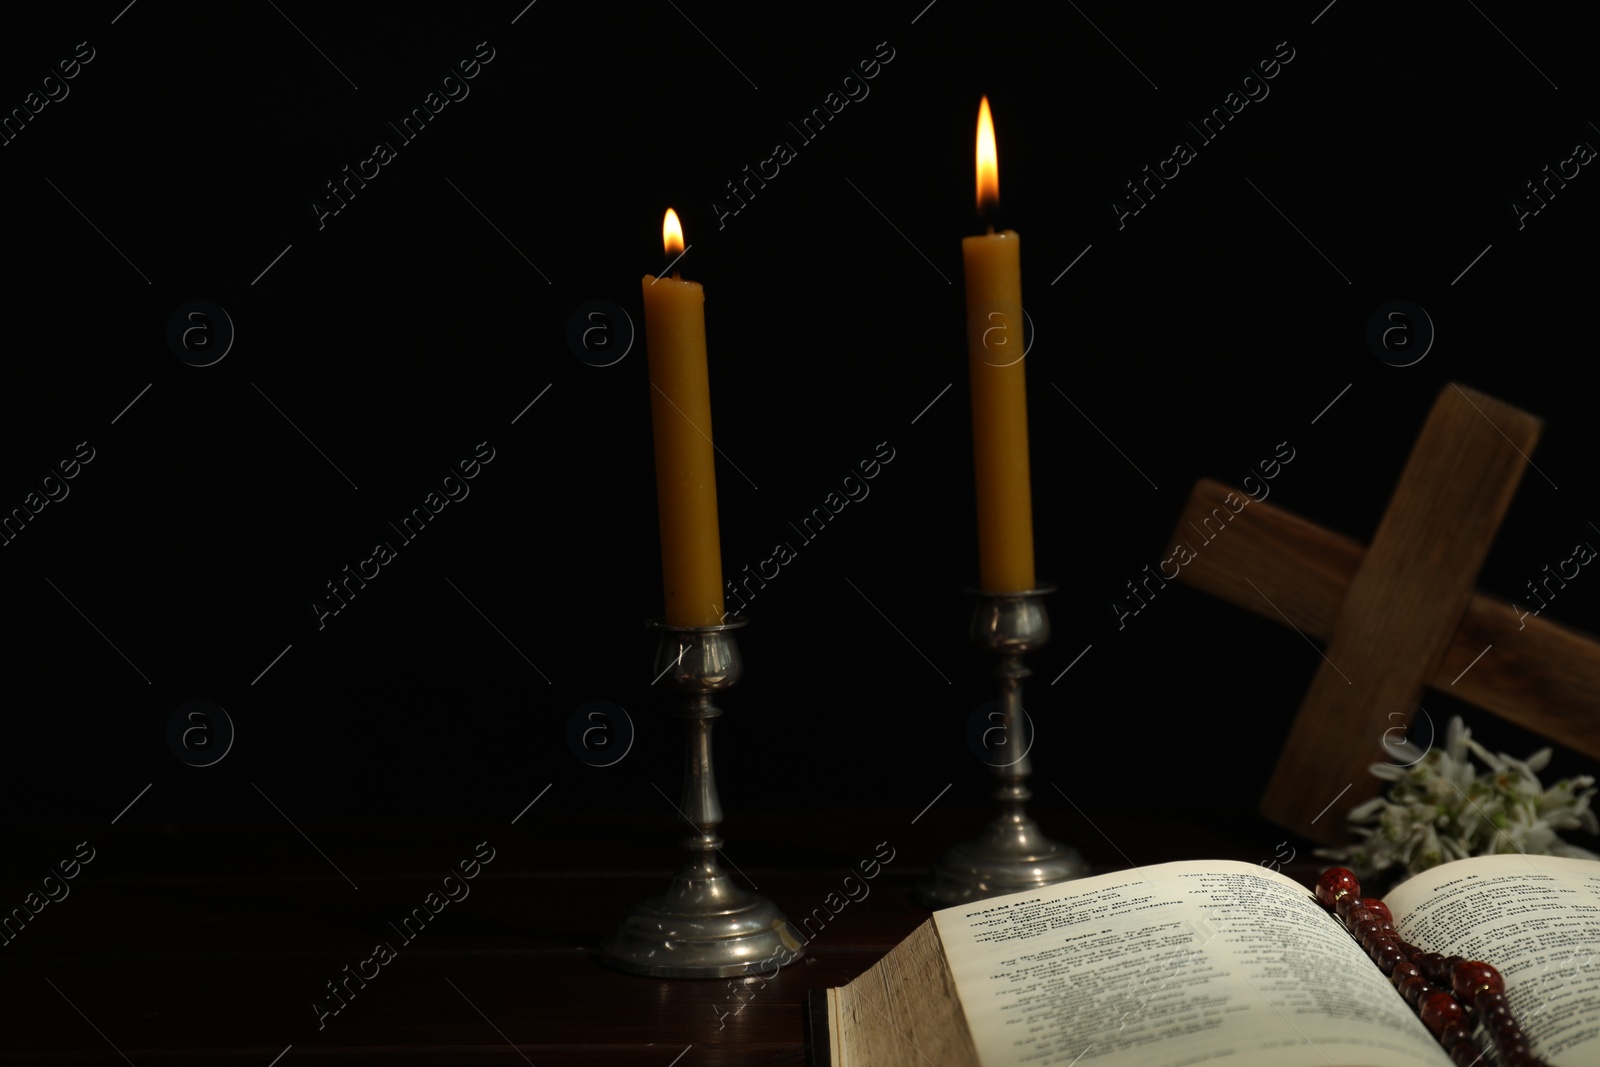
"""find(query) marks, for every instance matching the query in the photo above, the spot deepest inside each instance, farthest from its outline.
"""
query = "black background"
(413, 325)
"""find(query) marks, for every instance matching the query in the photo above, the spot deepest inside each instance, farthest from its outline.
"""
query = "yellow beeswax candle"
(680, 414)
(999, 389)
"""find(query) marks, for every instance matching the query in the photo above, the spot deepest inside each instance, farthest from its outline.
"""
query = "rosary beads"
(1450, 993)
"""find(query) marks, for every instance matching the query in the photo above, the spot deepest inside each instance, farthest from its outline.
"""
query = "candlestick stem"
(1013, 792)
(705, 925)
(701, 805)
(1012, 853)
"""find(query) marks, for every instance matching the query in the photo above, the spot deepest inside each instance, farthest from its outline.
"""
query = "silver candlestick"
(704, 925)
(1012, 853)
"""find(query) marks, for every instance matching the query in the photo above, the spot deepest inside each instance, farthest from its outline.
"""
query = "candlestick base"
(1012, 854)
(704, 925)
(702, 928)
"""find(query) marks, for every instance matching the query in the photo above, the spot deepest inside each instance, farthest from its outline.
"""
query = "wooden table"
(201, 944)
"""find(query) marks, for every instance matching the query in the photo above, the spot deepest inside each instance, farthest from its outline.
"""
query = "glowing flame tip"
(988, 162)
(672, 233)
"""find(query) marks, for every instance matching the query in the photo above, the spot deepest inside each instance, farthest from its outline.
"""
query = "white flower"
(1439, 808)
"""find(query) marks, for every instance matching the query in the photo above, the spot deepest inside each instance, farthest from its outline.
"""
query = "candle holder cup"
(704, 925)
(1012, 853)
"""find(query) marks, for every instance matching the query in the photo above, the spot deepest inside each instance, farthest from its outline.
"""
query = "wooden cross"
(1399, 614)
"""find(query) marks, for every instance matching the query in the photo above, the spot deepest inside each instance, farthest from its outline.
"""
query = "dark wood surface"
(207, 944)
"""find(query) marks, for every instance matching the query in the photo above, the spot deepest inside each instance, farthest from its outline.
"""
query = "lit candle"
(999, 389)
(680, 412)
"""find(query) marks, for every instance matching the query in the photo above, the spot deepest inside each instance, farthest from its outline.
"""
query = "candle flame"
(672, 233)
(988, 162)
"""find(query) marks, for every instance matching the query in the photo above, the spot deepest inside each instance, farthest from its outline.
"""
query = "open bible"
(1217, 962)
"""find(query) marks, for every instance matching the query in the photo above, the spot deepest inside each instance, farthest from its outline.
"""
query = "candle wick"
(677, 277)
(991, 229)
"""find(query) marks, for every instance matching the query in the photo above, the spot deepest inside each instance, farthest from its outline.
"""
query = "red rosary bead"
(1379, 906)
(1389, 957)
(1372, 930)
(1416, 974)
(1413, 988)
(1334, 882)
(1495, 1016)
(1486, 999)
(1439, 1009)
(1469, 976)
(1517, 1046)
(1506, 1032)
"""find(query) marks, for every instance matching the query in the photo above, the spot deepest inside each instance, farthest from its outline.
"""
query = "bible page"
(1537, 920)
(1173, 965)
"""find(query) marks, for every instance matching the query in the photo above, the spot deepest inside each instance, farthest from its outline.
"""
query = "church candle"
(680, 413)
(995, 348)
